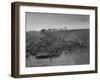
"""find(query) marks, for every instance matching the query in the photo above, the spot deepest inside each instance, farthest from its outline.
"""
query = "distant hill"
(77, 35)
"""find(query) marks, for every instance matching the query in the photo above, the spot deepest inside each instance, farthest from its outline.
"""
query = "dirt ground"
(76, 57)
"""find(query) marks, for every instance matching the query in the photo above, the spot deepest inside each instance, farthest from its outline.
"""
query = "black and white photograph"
(53, 39)
(56, 39)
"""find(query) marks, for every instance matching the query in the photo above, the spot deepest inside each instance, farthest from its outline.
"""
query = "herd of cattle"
(50, 45)
(45, 50)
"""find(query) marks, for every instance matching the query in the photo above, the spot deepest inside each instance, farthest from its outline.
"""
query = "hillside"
(78, 35)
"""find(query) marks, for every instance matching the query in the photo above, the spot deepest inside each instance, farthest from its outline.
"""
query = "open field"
(77, 57)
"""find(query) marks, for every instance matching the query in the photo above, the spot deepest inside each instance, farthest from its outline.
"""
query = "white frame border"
(53, 69)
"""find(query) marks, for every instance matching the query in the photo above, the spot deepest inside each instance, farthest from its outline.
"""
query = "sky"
(38, 21)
